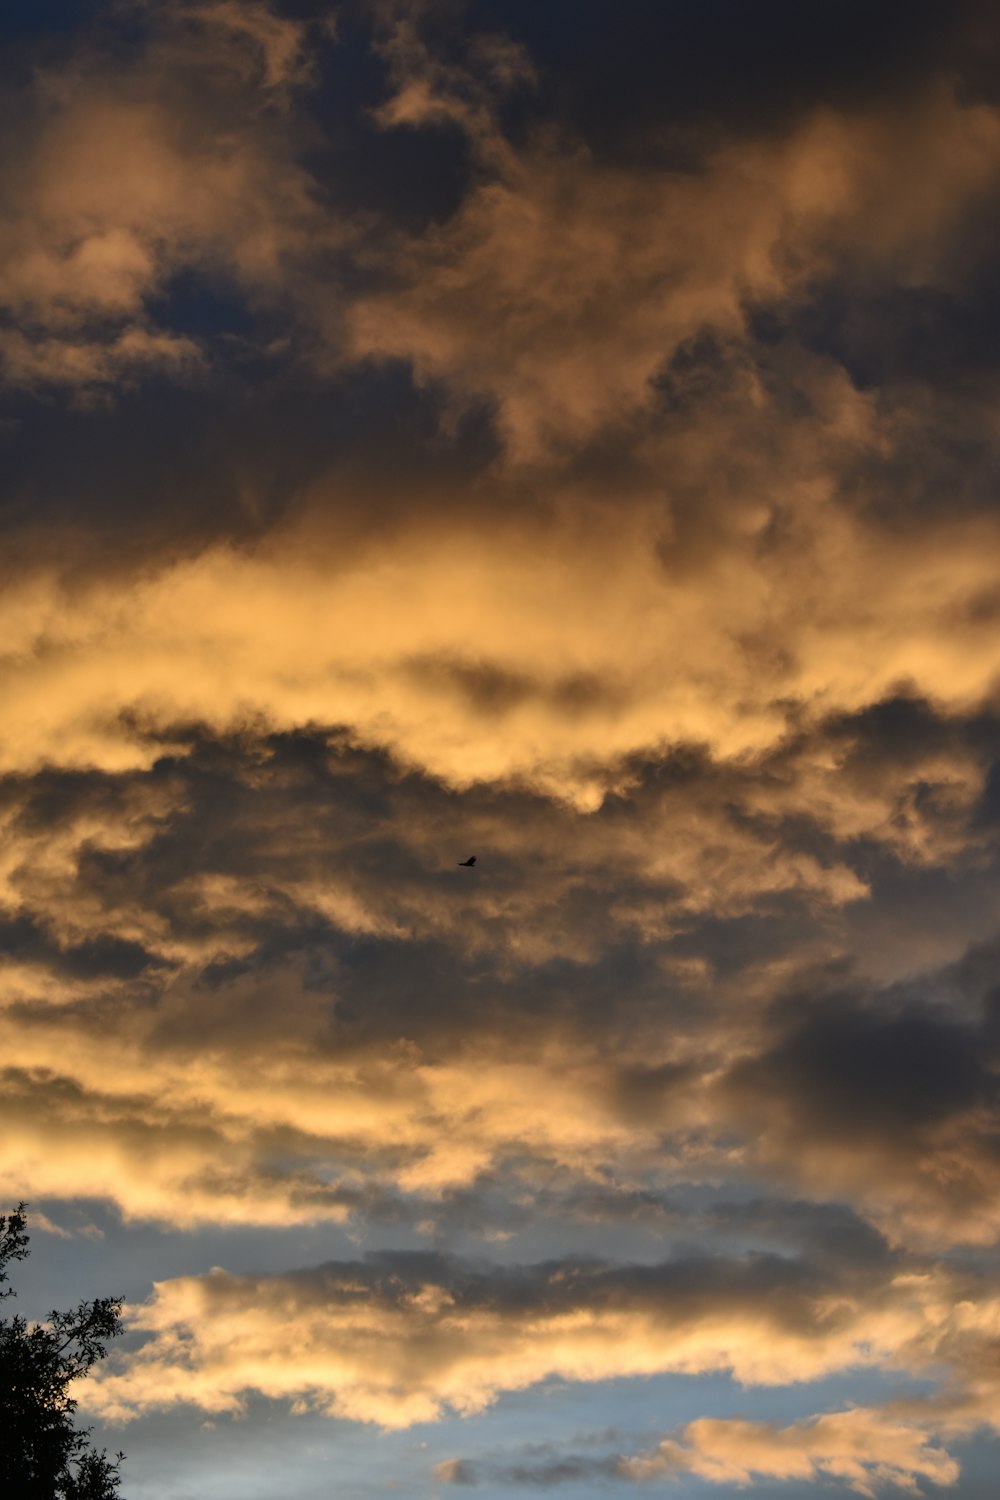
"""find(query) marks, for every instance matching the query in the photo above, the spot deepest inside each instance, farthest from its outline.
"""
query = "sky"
(564, 432)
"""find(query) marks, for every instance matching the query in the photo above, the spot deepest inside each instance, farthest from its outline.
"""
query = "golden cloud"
(300, 637)
(684, 644)
(864, 1449)
(564, 285)
(402, 1339)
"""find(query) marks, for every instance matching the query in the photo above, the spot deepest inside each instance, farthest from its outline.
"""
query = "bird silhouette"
(468, 862)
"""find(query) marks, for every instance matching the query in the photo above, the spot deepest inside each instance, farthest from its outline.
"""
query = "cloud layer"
(432, 435)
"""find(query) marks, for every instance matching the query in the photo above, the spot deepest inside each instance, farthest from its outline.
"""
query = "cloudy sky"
(565, 432)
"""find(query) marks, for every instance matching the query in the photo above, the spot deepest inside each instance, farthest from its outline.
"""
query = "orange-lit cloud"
(403, 1338)
(405, 643)
(406, 468)
(865, 1450)
(203, 907)
(868, 1450)
(563, 287)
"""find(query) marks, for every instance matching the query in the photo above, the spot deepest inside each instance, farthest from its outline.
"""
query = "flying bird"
(470, 861)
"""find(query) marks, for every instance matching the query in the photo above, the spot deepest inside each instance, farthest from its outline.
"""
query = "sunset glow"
(565, 434)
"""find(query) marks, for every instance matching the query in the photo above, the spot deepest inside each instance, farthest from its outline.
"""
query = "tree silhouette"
(42, 1455)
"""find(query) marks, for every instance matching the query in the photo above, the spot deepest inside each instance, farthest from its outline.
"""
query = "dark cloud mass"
(627, 71)
(565, 434)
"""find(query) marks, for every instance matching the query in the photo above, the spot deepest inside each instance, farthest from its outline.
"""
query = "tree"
(42, 1455)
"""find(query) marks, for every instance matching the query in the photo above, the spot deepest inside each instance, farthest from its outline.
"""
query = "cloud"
(42, 1222)
(863, 1449)
(564, 285)
(866, 1449)
(455, 1471)
(786, 594)
(614, 500)
(129, 174)
(573, 1468)
(427, 88)
(644, 87)
(280, 42)
(315, 1009)
(893, 1106)
(398, 1339)
(403, 1338)
(874, 616)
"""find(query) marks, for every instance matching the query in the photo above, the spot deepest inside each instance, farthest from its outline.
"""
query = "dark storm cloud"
(825, 1233)
(887, 1098)
(625, 76)
(556, 1288)
(847, 1071)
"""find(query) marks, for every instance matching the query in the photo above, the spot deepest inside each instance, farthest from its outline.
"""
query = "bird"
(468, 862)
